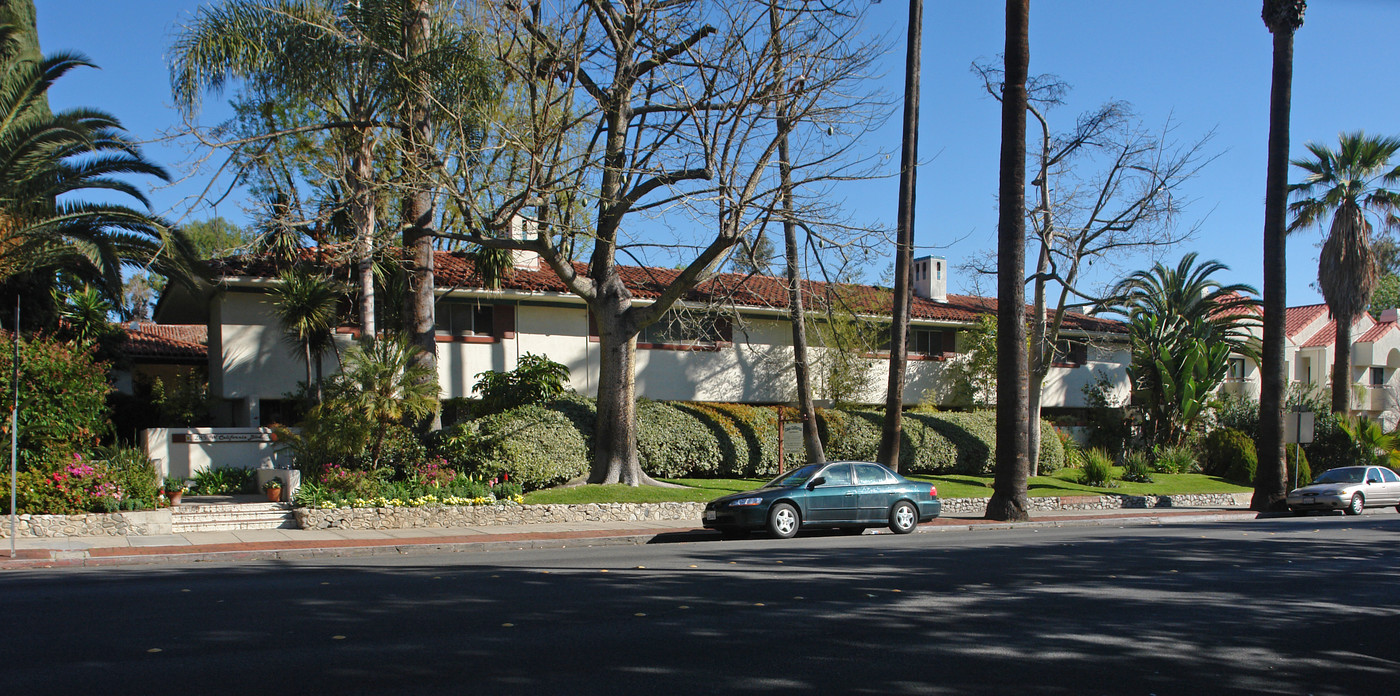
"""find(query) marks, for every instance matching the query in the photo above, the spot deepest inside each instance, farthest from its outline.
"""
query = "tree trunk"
(797, 314)
(418, 205)
(615, 436)
(1009, 498)
(1341, 366)
(1042, 349)
(904, 244)
(360, 182)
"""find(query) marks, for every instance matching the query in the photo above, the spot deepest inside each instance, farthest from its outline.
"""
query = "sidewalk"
(286, 544)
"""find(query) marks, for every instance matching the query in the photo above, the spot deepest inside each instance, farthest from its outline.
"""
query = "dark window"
(1236, 373)
(464, 319)
(871, 474)
(931, 341)
(1389, 476)
(1071, 351)
(838, 475)
(1377, 376)
(673, 327)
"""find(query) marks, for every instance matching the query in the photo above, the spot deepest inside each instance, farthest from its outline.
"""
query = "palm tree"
(1184, 327)
(1351, 183)
(45, 159)
(1012, 477)
(387, 385)
(305, 306)
(1282, 17)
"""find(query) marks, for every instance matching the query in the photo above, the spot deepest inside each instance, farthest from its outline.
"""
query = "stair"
(203, 517)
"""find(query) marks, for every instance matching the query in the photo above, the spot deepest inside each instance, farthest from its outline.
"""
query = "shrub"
(224, 481)
(125, 482)
(1098, 469)
(537, 446)
(1175, 460)
(535, 380)
(931, 443)
(63, 400)
(433, 474)
(1223, 448)
(1242, 470)
(1299, 473)
(1074, 454)
(1137, 467)
(350, 482)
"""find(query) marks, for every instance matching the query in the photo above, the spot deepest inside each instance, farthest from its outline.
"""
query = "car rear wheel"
(903, 517)
(783, 521)
(1357, 504)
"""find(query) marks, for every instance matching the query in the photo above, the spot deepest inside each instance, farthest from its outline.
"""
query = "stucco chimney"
(1390, 315)
(931, 278)
(523, 229)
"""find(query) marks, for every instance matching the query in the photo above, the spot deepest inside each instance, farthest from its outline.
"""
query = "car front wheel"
(1357, 505)
(783, 521)
(903, 517)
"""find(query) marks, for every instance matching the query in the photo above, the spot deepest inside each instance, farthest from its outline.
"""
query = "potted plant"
(273, 489)
(174, 488)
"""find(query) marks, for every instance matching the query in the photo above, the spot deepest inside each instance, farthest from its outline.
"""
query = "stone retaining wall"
(978, 506)
(485, 515)
(138, 523)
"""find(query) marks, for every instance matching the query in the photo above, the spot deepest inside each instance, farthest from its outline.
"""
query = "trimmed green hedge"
(540, 446)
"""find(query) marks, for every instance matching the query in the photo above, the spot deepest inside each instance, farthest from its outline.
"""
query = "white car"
(1349, 489)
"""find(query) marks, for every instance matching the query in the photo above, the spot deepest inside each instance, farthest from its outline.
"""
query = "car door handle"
(850, 492)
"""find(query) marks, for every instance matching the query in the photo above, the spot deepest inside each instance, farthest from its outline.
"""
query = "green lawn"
(1061, 483)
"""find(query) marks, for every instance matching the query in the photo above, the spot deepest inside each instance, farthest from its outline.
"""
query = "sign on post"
(792, 437)
(1298, 427)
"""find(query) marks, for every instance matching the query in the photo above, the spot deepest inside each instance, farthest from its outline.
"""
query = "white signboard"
(792, 437)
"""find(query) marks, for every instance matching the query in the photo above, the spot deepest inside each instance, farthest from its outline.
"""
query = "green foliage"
(175, 485)
(1184, 326)
(1110, 427)
(930, 443)
(1074, 454)
(1223, 448)
(535, 445)
(535, 380)
(1137, 467)
(1387, 294)
(63, 400)
(273, 484)
(971, 378)
(1375, 446)
(1098, 469)
(223, 481)
(124, 480)
(1175, 460)
(1299, 472)
(217, 237)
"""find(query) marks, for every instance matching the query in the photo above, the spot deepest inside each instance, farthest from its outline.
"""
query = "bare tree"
(623, 120)
(1107, 190)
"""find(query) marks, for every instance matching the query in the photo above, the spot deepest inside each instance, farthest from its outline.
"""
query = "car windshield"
(1341, 476)
(796, 477)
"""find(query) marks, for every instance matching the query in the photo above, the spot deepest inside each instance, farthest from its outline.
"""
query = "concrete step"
(197, 517)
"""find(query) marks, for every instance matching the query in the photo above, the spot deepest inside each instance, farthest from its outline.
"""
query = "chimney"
(523, 229)
(931, 278)
(1389, 316)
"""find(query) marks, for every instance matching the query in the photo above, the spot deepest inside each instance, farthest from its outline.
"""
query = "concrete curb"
(355, 548)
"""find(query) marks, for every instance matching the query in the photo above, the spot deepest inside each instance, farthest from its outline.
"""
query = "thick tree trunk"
(418, 205)
(1341, 366)
(1041, 353)
(360, 182)
(615, 435)
(904, 244)
(1009, 498)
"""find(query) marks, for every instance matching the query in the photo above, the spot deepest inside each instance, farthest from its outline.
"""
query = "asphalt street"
(1286, 606)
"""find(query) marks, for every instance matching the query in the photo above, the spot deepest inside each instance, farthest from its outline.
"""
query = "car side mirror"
(816, 482)
(1372, 481)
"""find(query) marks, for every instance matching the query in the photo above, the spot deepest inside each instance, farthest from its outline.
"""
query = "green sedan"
(846, 495)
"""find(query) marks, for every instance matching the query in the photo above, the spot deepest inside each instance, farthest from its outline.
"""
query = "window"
(1377, 376)
(465, 319)
(673, 328)
(931, 341)
(837, 475)
(1070, 351)
(1236, 373)
(1389, 476)
(872, 474)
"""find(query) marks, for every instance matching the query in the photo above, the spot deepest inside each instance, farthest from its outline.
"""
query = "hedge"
(540, 446)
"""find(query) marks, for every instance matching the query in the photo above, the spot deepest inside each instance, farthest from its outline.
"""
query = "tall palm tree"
(1352, 183)
(1282, 17)
(46, 158)
(1012, 477)
(305, 306)
(388, 386)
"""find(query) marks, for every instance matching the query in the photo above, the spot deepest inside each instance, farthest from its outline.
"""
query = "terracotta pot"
(274, 495)
(174, 496)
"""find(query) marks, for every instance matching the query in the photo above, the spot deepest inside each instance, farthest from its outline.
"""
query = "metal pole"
(14, 432)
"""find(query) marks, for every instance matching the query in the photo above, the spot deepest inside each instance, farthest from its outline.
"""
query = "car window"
(870, 474)
(1373, 474)
(838, 475)
(1340, 476)
(1389, 476)
(796, 477)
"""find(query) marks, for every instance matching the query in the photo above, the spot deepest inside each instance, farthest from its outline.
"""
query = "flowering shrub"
(351, 482)
(80, 486)
(435, 473)
(64, 390)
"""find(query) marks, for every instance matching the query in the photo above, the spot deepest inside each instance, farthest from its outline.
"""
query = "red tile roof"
(155, 342)
(454, 269)
(1376, 332)
(1298, 318)
(1327, 335)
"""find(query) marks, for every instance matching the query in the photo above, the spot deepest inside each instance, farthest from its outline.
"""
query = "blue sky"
(1203, 63)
